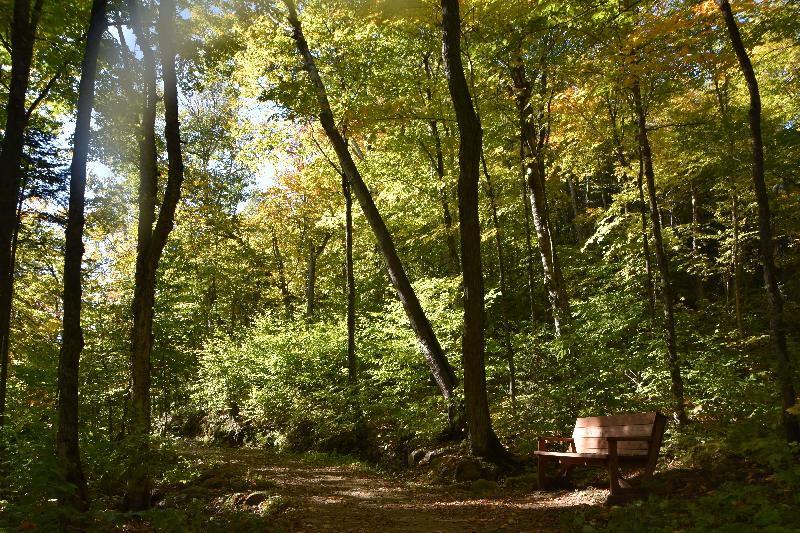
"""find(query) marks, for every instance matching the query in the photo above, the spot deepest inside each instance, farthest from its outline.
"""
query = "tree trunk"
(151, 241)
(433, 126)
(573, 197)
(311, 279)
(23, 32)
(661, 260)
(791, 423)
(72, 338)
(736, 266)
(699, 292)
(483, 441)
(650, 288)
(352, 363)
(533, 136)
(505, 300)
(528, 246)
(443, 373)
(287, 299)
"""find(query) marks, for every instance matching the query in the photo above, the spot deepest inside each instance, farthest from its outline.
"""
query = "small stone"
(415, 457)
(255, 498)
(428, 457)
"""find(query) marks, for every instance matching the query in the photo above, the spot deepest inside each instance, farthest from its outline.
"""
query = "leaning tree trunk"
(23, 32)
(791, 422)
(72, 338)
(151, 240)
(673, 364)
(432, 350)
(483, 441)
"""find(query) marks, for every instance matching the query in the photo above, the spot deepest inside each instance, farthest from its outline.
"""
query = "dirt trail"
(299, 494)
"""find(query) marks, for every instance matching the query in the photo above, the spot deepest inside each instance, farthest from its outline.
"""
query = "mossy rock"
(481, 487)
(522, 482)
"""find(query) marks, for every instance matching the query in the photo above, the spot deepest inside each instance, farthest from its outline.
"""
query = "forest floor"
(252, 490)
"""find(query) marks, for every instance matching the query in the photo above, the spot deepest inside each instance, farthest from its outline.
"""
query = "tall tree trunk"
(573, 197)
(505, 300)
(650, 288)
(287, 299)
(736, 265)
(791, 423)
(623, 161)
(314, 252)
(352, 362)
(528, 246)
(151, 240)
(533, 133)
(699, 292)
(438, 162)
(673, 364)
(72, 338)
(483, 441)
(431, 349)
(24, 23)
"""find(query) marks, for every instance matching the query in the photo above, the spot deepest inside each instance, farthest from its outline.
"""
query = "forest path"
(250, 489)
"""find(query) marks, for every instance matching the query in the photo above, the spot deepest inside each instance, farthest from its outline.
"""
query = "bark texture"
(67, 447)
(483, 441)
(24, 22)
(431, 349)
(783, 366)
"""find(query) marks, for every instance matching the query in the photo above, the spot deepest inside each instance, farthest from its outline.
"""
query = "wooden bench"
(611, 441)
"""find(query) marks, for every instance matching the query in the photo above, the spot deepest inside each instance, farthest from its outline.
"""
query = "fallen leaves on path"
(302, 494)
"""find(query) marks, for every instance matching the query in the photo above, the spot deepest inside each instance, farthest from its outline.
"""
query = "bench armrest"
(544, 440)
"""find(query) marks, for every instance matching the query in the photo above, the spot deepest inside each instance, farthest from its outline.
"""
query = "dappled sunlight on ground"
(319, 497)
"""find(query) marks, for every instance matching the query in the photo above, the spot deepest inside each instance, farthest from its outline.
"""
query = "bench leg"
(616, 493)
(613, 474)
(540, 477)
(620, 491)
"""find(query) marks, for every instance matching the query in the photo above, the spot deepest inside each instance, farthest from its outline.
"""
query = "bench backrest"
(590, 434)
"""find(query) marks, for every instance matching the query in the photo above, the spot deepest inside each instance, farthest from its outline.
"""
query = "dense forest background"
(620, 242)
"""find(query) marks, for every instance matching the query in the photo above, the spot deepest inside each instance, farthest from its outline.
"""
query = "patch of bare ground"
(302, 494)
